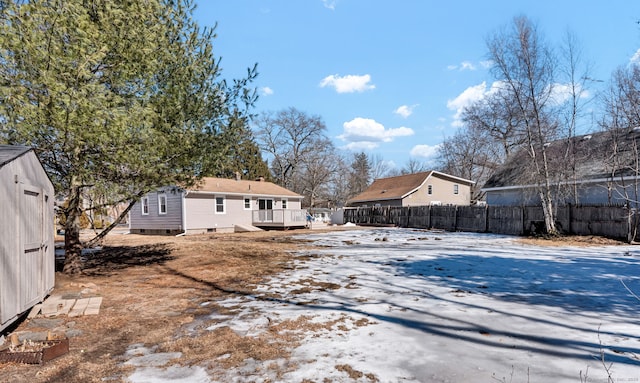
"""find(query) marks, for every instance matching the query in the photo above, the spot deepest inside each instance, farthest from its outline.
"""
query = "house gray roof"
(9, 153)
(589, 157)
(400, 186)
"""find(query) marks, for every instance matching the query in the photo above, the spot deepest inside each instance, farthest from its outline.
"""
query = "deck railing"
(279, 217)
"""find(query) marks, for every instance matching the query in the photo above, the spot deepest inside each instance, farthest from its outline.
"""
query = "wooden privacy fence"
(608, 221)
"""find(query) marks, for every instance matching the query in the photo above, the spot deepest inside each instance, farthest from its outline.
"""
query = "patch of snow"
(420, 306)
(173, 374)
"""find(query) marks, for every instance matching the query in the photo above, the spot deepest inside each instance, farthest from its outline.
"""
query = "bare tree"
(316, 169)
(575, 73)
(470, 154)
(524, 65)
(338, 191)
(495, 119)
(288, 137)
(379, 167)
(621, 119)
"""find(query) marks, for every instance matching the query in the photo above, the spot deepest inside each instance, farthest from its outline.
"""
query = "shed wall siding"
(25, 277)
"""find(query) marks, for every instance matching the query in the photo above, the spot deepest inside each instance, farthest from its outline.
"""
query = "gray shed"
(27, 260)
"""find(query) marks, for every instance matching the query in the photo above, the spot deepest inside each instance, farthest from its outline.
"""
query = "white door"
(265, 207)
(32, 241)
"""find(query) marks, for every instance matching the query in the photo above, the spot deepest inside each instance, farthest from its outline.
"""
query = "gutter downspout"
(184, 215)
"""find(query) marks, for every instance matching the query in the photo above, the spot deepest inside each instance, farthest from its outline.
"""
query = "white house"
(27, 260)
(217, 205)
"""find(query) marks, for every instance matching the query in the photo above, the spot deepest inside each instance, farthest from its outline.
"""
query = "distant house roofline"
(579, 182)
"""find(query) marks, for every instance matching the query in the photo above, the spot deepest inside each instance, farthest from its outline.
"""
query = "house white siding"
(27, 260)
(595, 193)
(201, 216)
(215, 205)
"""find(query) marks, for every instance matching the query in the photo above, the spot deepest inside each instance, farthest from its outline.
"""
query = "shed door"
(32, 240)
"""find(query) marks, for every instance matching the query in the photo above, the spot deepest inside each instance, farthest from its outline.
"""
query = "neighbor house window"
(284, 203)
(429, 189)
(247, 203)
(455, 189)
(219, 205)
(145, 205)
(162, 204)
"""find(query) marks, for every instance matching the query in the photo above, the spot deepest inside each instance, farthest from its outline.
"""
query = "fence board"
(607, 221)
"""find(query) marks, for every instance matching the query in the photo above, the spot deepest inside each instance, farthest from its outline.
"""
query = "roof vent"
(384, 191)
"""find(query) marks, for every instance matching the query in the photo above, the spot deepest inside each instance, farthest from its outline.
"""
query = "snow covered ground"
(416, 306)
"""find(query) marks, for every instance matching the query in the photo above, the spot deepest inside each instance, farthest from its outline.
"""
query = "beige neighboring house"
(217, 205)
(418, 189)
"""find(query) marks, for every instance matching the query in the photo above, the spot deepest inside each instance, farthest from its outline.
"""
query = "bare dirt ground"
(159, 291)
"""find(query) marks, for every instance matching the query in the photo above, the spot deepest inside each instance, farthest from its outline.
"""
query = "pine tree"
(117, 97)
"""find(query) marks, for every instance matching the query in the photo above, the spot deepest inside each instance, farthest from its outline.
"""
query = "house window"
(455, 188)
(162, 204)
(284, 203)
(145, 205)
(247, 203)
(220, 205)
(429, 189)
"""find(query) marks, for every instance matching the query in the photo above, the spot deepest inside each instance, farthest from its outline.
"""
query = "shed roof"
(9, 153)
(589, 157)
(401, 186)
(243, 187)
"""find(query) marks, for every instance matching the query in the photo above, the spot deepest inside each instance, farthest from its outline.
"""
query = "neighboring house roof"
(212, 185)
(594, 157)
(9, 153)
(401, 186)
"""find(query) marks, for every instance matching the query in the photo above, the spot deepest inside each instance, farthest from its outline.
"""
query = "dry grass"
(153, 291)
(160, 291)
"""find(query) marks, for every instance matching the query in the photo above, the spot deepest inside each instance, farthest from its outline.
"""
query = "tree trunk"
(549, 217)
(72, 244)
(95, 240)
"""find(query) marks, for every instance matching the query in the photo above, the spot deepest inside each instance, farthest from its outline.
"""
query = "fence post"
(455, 218)
(486, 218)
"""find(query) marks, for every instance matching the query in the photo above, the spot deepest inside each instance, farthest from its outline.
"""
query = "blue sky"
(388, 77)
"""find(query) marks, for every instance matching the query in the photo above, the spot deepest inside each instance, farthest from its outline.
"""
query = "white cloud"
(466, 98)
(348, 83)
(330, 4)
(424, 151)
(405, 110)
(365, 132)
(465, 65)
(635, 59)
(486, 64)
(266, 91)
(359, 146)
(562, 93)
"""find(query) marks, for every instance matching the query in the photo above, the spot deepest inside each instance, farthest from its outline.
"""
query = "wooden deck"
(279, 218)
